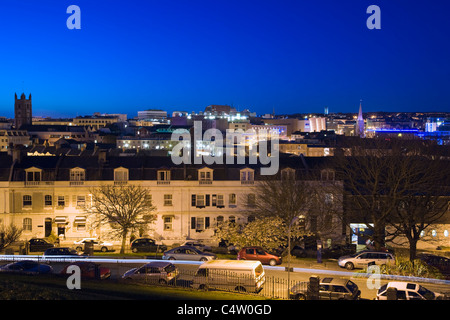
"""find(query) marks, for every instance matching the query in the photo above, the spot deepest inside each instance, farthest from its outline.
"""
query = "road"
(276, 285)
(276, 278)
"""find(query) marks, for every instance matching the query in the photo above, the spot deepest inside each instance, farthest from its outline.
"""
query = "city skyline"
(289, 58)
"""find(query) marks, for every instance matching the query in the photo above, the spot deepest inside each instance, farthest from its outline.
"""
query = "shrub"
(416, 268)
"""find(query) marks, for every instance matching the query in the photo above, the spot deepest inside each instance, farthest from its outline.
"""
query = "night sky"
(292, 56)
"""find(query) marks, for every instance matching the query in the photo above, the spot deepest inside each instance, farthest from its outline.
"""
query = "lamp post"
(289, 252)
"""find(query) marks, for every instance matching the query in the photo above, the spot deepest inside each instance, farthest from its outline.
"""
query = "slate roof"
(57, 168)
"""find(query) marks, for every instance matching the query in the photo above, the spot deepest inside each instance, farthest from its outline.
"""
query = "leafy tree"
(265, 232)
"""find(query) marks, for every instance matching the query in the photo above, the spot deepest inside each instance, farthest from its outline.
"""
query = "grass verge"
(23, 287)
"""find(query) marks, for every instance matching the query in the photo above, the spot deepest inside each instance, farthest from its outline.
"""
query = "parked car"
(146, 245)
(231, 248)
(39, 245)
(259, 254)
(98, 245)
(188, 253)
(158, 271)
(64, 251)
(363, 259)
(408, 291)
(198, 245)
(89, 270)
(439, 262)
(329, 289)
(338, 250)
(27, 267)
(299, 252)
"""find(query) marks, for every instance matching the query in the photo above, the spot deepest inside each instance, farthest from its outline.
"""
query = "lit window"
(167, 200)
(48, 201)
(232, 199)
(81, 201)
(61, 201)
(27, 224)
(27, 201)
(247, 176)
(163, 176)
(120, 175)
(77, 174)
(168, 221)
(205, 176)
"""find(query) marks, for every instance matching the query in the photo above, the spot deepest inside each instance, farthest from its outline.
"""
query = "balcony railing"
(163, 182)
(39, 183)
(76, 183)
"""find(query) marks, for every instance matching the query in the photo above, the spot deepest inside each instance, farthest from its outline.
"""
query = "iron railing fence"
(265, 286)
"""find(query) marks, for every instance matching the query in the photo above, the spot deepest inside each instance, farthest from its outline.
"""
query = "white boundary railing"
(70, 259)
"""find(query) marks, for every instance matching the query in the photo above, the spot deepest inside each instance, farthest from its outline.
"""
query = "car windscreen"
(427, 294)
(170, 268)
(352, 286)
(382, 288)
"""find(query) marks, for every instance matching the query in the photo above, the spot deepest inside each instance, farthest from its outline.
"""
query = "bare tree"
(422, 200)
(124, 208)
(8, 235)
(286, 197)
(391, 183)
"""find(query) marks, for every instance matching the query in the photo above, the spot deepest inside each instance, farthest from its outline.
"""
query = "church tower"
(22, 111)
(360, 128)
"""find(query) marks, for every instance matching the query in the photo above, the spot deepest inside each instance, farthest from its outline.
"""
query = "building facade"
(52, 195)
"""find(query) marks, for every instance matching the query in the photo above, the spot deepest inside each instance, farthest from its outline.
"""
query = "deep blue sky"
(291, 55)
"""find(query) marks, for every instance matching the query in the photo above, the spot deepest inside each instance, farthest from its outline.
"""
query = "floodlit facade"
(52, 195)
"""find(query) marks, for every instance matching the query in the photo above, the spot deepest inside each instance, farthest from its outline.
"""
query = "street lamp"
(289, 251)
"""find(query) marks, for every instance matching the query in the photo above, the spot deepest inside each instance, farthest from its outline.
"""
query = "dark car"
(39, 245)
(338, 250)
(147, 245)
(329, 289)
(198, 245)
(26, 267)
(89, 270)
(61, 252)
(439, 262)
(258, 253)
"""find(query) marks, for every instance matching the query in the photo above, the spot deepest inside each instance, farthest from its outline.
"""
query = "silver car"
(99, 245)
(363, 259)
(161, 272)
(188, 253)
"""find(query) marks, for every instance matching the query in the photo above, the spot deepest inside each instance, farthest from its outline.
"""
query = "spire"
(360, 130)
(360, 115)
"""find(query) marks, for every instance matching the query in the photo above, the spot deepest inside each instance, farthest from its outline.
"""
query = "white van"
(238, 275)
